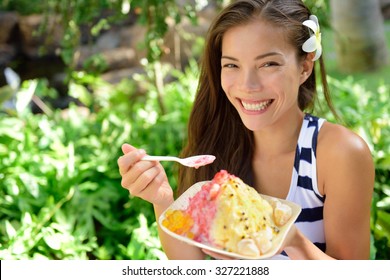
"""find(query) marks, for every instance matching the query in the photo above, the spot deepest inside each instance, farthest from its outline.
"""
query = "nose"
(249, 81)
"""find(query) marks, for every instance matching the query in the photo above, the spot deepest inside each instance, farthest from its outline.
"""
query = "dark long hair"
(214, 126)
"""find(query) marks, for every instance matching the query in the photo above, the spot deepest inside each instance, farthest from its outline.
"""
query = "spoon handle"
(160, 158)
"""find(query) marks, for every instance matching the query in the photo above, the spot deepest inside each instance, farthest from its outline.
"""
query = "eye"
(229, 65)
(270, 63)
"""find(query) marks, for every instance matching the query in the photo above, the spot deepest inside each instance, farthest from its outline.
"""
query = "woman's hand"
(144, 179)
(299, 247)
(290, 239)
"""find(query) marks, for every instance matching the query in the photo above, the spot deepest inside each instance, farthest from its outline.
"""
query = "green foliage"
(24, 7)
(60, 192)
(97, 16)
(95, 64)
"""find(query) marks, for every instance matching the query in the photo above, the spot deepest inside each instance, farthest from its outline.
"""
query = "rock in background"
(33, 56)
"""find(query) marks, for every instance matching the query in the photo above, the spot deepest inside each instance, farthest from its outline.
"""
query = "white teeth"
(256, 106)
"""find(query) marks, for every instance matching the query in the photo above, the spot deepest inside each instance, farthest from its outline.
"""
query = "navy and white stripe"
(303, 188)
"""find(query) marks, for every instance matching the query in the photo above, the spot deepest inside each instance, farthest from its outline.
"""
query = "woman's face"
(260, 73)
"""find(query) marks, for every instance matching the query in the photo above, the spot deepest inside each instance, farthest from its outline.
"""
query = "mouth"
(256, 106)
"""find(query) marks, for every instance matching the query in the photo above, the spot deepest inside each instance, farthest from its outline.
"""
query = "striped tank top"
(303, 187)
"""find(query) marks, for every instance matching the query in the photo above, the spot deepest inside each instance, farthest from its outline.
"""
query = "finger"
(158, 190)
(126, 161)
(144, 181)
(126, 148)
(135, 170)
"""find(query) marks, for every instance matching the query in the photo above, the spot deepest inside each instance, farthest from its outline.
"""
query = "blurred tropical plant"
(60, 193)
(98, 16)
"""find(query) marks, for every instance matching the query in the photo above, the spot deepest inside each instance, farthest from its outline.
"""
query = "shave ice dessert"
(230, 215)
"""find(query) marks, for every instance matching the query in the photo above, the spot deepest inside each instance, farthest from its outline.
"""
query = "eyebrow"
(256, 58)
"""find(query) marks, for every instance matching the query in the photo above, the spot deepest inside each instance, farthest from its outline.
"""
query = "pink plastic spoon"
(194, 161)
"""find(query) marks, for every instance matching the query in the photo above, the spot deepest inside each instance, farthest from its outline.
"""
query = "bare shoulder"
(340, 152)
(338, 141)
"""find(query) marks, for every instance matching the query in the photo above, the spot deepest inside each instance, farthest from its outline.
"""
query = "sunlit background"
(79, 78)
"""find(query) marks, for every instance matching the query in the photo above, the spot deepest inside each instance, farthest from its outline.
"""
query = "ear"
(307, 65)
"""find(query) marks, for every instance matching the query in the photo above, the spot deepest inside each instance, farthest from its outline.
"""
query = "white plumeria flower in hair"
(314, 42)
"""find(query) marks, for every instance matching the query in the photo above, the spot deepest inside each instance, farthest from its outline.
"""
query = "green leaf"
(24, 97)
(10, 230)
(384, 203)
(6, 92)
(12, 128)
(373, 249)
(384, 220)
(52, 239)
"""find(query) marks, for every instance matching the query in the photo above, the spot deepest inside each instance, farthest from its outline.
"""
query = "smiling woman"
(252, 111)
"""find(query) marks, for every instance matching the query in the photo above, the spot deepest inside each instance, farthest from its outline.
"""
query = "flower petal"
(318, 53)
(315, 19)
(310, 45)
(311, 24)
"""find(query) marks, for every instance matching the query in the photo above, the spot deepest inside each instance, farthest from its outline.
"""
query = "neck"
(279, 138)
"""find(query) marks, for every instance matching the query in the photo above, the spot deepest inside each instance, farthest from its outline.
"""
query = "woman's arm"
(148, 181)
(346, 177)
(349, 175)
